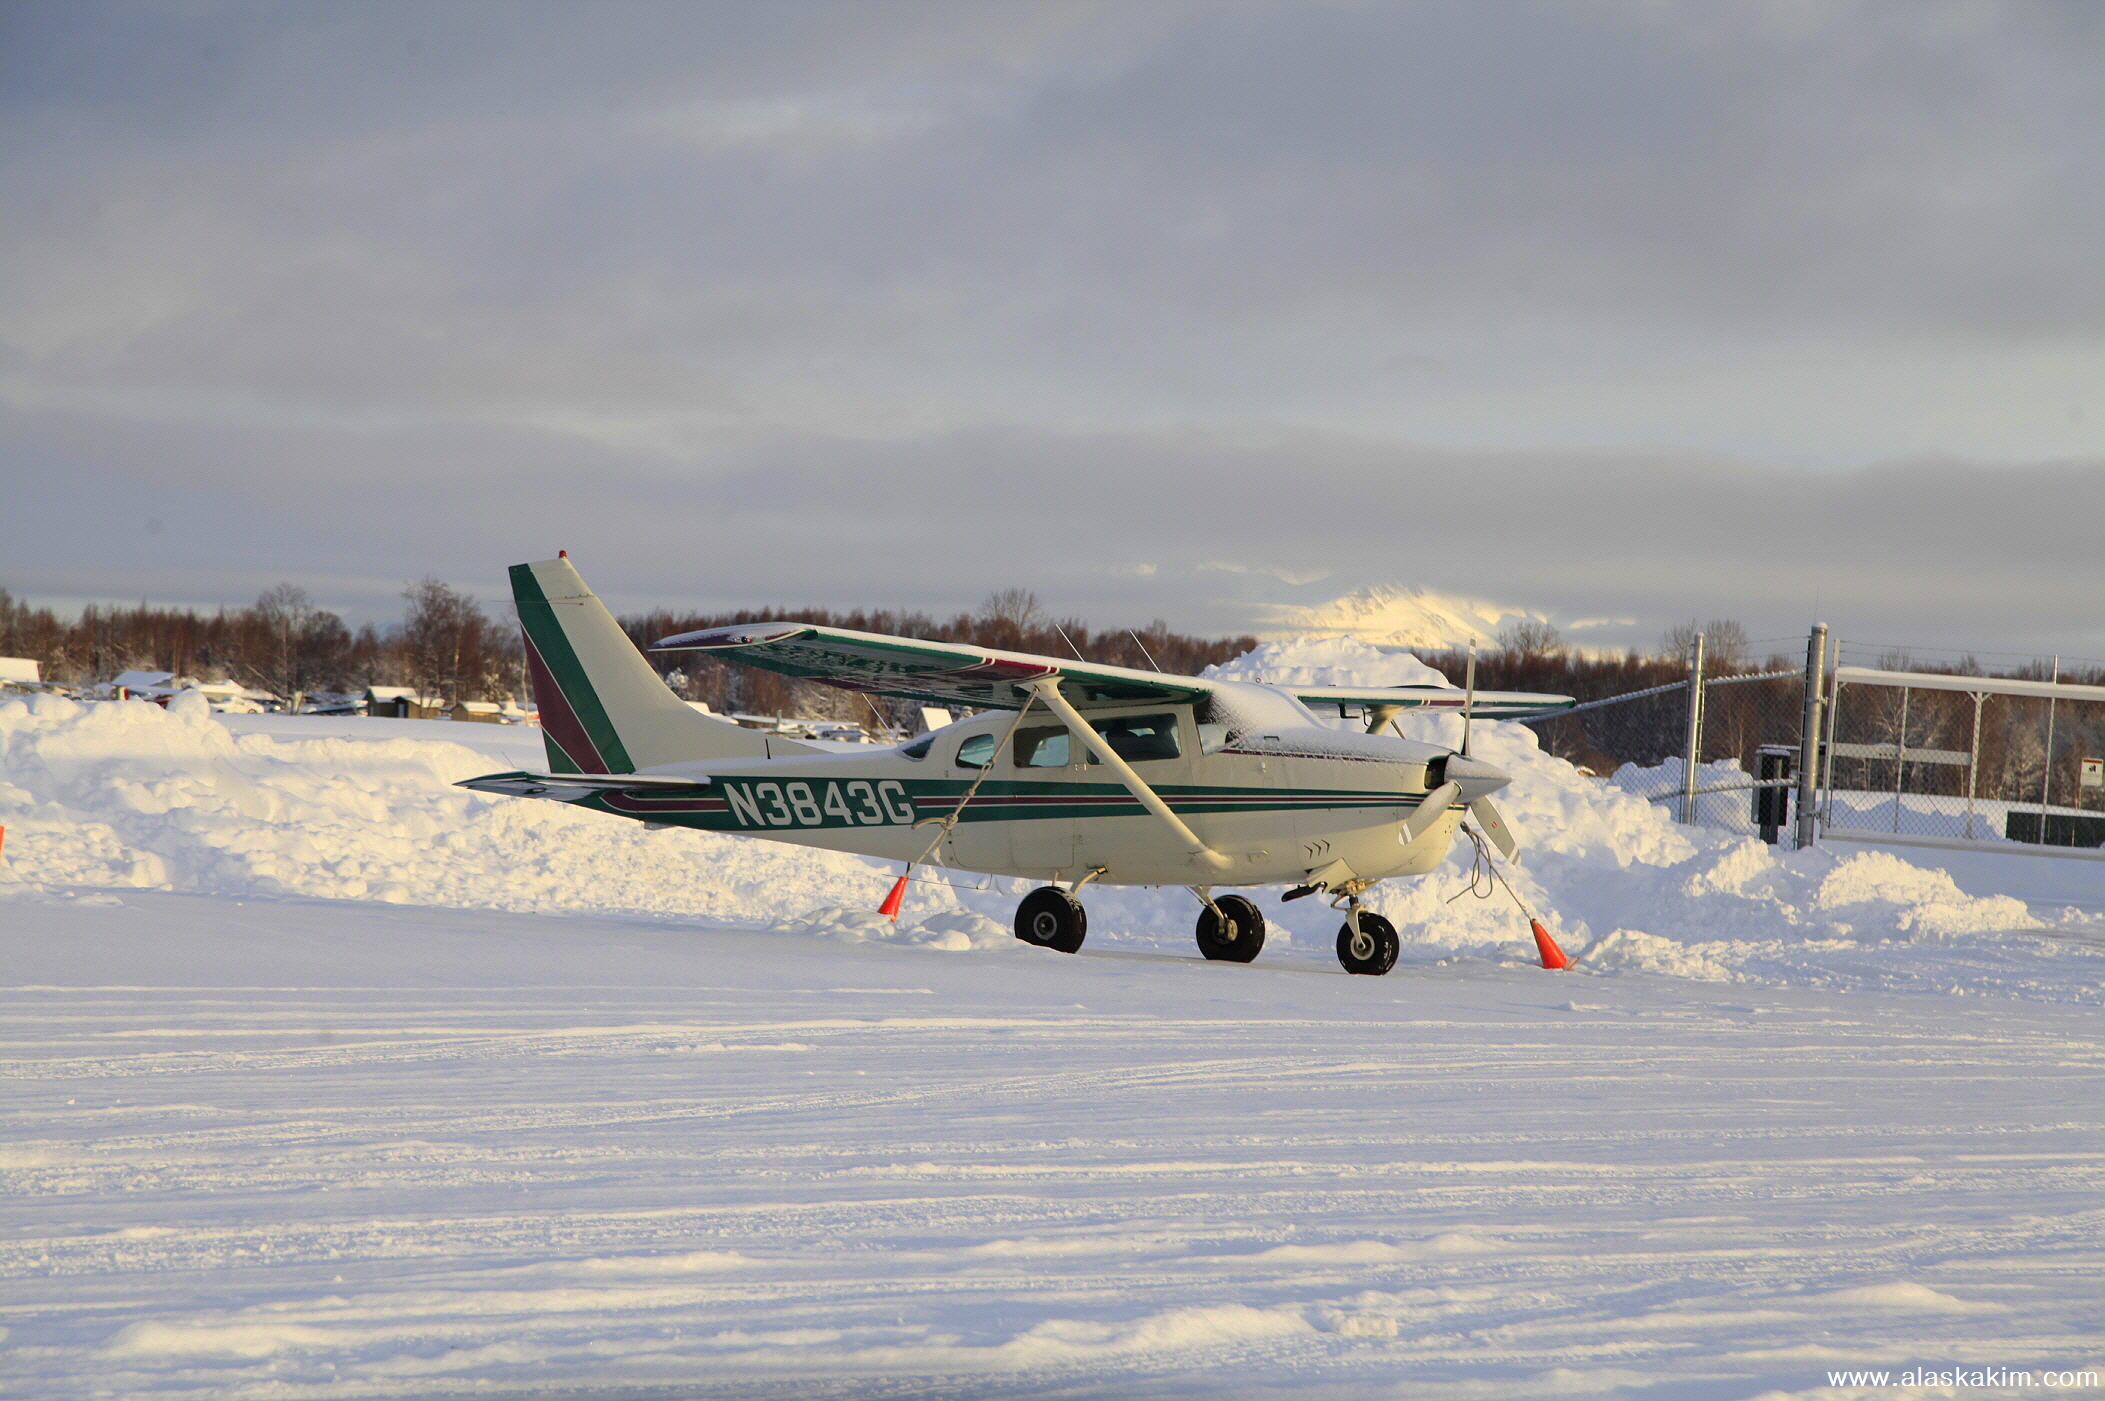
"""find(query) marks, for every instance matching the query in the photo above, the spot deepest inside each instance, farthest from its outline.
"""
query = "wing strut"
(1201, 854)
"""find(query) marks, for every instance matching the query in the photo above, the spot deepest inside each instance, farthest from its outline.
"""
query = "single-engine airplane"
(1073, 773)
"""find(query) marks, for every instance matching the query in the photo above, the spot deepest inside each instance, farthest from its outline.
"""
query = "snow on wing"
(1488, 705)
(948, 672)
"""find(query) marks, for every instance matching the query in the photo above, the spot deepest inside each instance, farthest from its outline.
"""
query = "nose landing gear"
(1367, 943)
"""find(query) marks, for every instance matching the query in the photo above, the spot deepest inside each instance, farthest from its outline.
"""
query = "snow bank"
(125, 794)
(129, 795)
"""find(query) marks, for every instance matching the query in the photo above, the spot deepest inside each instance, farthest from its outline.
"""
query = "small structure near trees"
(403, 703)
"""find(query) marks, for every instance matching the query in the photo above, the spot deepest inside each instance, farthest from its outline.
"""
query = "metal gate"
(1932, 758)
(1863, 754)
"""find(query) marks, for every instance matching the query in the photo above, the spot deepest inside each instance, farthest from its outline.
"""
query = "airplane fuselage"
(1278, 804)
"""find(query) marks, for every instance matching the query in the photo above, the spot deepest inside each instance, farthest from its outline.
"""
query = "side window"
(1138, 738)
(1041, 749)
(976, 752)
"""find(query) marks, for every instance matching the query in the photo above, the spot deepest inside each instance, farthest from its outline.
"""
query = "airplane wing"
(956, 673)
(950, 673)
(1489, 705)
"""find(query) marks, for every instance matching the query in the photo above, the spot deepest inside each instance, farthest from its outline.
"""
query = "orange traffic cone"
(890, 908)
(1552, 956)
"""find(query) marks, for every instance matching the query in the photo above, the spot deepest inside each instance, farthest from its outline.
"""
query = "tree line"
(446, 644)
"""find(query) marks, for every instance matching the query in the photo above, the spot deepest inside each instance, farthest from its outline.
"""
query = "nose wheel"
(1367, 943)
(1235, 934)
(1051, 918)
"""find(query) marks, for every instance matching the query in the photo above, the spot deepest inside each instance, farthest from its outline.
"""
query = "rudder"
(603, 710)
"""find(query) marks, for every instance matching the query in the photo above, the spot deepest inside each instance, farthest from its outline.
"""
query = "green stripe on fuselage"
(759, 804)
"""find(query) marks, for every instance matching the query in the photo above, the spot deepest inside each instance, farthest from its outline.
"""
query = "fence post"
(1834, 715)
(1973, 769)
(1694, 751)
(1900, 758)
(2046, 770)
(1809, 736)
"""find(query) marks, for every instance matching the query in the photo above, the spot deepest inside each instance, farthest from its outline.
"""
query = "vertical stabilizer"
(603, 710)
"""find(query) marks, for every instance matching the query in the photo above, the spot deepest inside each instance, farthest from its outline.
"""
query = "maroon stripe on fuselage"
(558, 721)
(629, 802)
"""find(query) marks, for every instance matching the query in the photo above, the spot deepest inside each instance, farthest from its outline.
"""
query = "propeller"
(1494, 829)
(1428, 811)
(1468, 697)
(1487, 817)
(1493, 826)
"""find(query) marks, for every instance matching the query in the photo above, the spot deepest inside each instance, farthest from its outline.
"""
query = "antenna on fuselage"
(1468, 697)
(1070, 643)
(1143, 649)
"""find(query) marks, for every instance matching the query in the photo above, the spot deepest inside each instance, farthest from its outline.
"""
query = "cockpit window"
(976, 752)
(1041, 749)
(919, 748)
(1138, 738)
(1133, 738)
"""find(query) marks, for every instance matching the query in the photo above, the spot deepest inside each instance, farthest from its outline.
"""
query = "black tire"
(1381, 945)
(1052, 919)
(1242, 936)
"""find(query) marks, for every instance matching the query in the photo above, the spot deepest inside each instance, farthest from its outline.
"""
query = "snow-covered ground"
(329, 1079)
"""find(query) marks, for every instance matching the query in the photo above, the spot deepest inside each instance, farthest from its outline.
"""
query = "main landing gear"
(1230, 929)
(1052, 918)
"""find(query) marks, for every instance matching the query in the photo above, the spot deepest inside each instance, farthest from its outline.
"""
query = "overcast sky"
(1183, 310)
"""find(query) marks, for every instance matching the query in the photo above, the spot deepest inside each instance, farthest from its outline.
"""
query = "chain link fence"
(1721, 748)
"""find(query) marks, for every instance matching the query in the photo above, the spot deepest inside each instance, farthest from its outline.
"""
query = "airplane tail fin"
(603, 710)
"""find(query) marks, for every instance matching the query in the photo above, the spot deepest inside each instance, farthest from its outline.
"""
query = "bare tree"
(446, 641)
(1724, 643)
(1007, 619)
(1527, 639)
(289, 645)
(1017, 607)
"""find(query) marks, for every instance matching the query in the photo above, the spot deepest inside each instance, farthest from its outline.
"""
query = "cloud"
(1283, 575)
(1598, 309)
(1937, 553)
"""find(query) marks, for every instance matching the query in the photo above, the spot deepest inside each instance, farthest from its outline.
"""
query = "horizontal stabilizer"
(570, 785)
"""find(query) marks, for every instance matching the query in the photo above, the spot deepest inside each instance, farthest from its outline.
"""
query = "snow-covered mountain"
(1398, 616)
